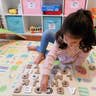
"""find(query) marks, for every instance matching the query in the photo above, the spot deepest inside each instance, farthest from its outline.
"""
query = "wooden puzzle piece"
(37, 71)
(29, 66)
(25, 82)
(60, 90)
(83, 91)
(49, 90)
(18, 89)
(34, 77)
(55, 69)
(35, 82)
(58, 77)
(37, 90)
(28, 89)
(25, 76)
(92, 67)
(72, 90)
(70, 77)
(54, 83)
(65, 83)
(65, 71)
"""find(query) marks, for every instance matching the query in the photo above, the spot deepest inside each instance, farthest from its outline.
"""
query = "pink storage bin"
(73, 5)
(32, 7)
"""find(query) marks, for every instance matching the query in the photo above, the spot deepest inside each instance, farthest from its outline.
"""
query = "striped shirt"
(66, 56)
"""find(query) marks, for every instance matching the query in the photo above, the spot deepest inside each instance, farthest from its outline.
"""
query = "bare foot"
(39, 58)
(31, 48)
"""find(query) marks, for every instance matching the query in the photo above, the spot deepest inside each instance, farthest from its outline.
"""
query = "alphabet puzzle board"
(19, 76)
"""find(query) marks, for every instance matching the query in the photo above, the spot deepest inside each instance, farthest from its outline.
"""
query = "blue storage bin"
(51, 7)
(15, 24)
(53, 23)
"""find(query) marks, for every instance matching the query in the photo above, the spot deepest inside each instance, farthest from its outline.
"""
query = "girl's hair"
(80, 25)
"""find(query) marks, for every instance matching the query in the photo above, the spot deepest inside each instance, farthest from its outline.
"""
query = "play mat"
(19, 76)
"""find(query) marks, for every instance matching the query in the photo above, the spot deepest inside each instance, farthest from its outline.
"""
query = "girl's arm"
(51, 57)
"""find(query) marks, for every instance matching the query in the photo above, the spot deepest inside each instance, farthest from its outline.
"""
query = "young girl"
(73, 43)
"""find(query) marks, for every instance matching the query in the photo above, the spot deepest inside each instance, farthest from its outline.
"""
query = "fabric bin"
(15, 23)
(32, 7)
(73, 5)
(53, 23)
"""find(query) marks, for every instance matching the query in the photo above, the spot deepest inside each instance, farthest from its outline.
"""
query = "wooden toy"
(49, 90)
(54, 83)
(18, 90)
(65, 84)
(38, 90)
(60, 90)
(35, 29)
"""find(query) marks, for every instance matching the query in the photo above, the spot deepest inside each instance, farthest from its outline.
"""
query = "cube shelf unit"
(30, 14)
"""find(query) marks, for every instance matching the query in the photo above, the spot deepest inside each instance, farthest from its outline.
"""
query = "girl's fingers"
(43, 87)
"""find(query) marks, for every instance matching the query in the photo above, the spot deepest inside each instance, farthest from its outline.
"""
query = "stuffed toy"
(12, 11)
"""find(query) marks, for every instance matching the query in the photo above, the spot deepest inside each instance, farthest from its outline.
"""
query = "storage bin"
(52, 9)
(32, 7)
(53, 23)
(15, 23)
(73, 5)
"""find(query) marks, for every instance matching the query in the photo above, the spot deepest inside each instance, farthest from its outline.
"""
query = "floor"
(19, 76)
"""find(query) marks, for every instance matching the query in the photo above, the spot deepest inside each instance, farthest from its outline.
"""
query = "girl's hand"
(81, 69)
(44, 83)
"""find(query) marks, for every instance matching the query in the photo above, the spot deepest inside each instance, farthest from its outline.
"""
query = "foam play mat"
(19, 76)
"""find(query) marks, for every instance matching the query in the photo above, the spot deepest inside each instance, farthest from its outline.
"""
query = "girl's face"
(71, 40)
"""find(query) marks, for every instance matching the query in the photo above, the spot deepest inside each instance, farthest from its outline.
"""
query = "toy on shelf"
(52, 9)
(35, 29)
(12, 11)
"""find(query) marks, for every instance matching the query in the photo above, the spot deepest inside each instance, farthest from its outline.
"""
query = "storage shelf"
(33, 34)
(13, 14)
(32, 14)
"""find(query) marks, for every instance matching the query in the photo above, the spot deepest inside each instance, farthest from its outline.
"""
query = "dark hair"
(80, 25)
